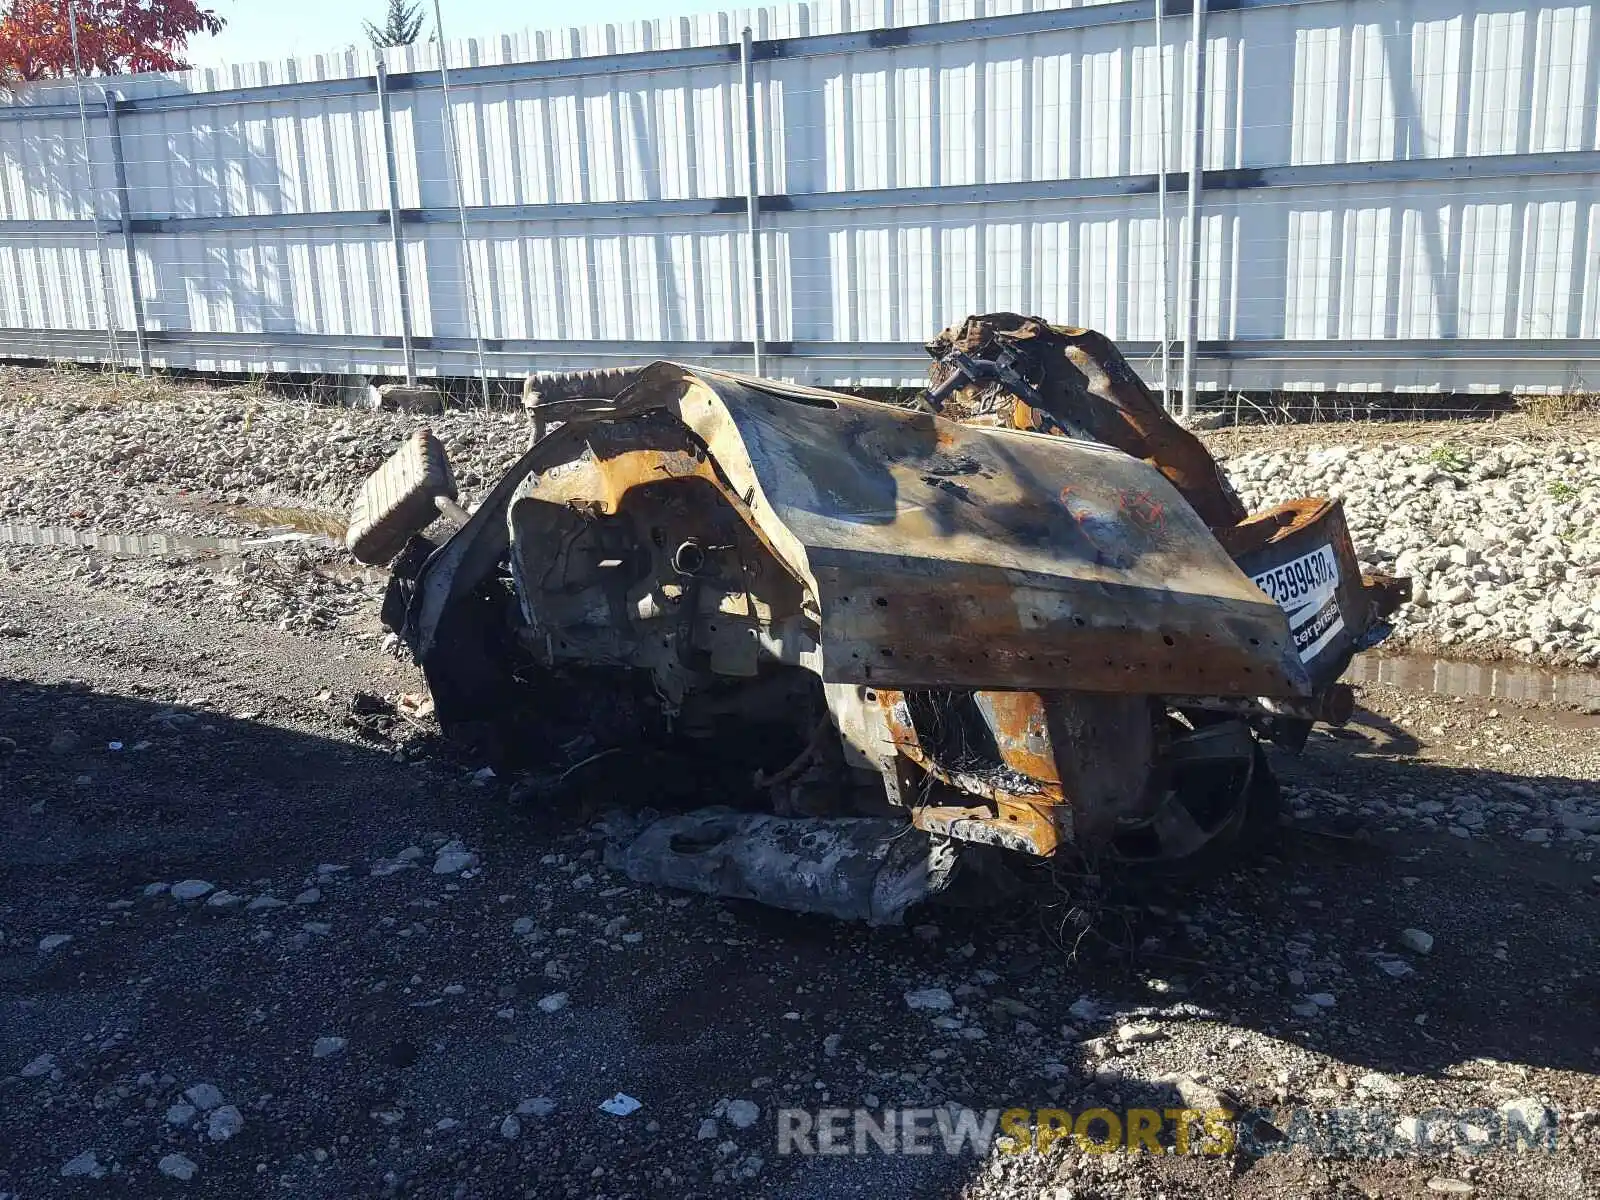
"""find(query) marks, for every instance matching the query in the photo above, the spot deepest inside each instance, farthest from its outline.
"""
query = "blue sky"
(272, 29)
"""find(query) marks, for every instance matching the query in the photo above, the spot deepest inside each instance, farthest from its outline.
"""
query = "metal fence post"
(752, 203)
(1161, 210)
(401, 278)
(1197, 73)
(94, 207)
(459, 184)
(119, 166)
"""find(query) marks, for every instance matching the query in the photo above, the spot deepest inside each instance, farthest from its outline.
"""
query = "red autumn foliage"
(114, 36)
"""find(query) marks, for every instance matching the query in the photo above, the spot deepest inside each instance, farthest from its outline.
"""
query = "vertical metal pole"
(401, 278)
(752, 202)
(94, 207)
(1197, 75)
(1161, 211)
(119, 166)
(461, 203)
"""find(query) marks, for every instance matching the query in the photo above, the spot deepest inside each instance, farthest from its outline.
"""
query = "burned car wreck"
(1026, 617)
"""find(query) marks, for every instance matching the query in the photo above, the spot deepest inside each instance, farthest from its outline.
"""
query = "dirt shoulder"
(243, 765)
(1498, 430)
(397, 975)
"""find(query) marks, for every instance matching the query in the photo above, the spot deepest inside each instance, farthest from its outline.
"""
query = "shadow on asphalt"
(198, 794)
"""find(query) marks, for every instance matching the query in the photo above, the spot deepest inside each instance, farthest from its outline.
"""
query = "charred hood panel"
(949, 555)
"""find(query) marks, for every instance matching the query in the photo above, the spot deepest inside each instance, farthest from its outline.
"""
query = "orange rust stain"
(1033, 823)
(634, 468)
(1022, 732)
(1036, 818)
(1273, 525)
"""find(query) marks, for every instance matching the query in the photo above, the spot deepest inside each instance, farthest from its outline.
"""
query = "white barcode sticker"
(1306, 588)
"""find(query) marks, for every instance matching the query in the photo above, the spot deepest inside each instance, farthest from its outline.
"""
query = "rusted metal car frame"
(995, 636)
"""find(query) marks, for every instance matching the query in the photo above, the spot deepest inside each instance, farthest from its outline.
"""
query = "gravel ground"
(1497, 522)
(262, 932)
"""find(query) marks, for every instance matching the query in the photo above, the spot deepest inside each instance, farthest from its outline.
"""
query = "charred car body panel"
(1011, 637)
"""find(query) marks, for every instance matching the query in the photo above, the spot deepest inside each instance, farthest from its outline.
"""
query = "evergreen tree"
(400, 27)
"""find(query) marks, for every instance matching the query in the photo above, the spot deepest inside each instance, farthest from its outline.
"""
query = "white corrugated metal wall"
(1397, 194)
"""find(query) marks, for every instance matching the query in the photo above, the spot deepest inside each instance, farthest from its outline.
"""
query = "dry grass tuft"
(1563, 404)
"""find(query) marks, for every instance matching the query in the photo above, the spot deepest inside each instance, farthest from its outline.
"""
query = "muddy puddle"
(283, 528)
(310, 530)
(298, 520)
(126, 545)
(264, 517)
(1516, 682)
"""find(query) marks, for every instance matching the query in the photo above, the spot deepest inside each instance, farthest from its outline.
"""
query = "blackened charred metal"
(858, 623)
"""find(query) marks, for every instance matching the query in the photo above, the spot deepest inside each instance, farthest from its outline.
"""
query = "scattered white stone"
(224, 1123)
(537, 1106)
(1499, 541)
(204, 1096)
(742, 1114)
(1138, 1034)
(157, 889)
(554, 1002)
(224, 899)
(930, 999)
(265, 903)
(180, 1114)
(84, 1166)
(326, 1047)
(511, 1128)
(1375, 1084)
(1322, 999)
(310, 896)
(708, 1131)
(190, 889)
(522, 925)
(1084, 1009)
(1199, 1095)
(620, 1105)
(53, 941)
(177, 1166)
(1530, 1112)
(1417, 940)
(449, 862)
(42, 1065)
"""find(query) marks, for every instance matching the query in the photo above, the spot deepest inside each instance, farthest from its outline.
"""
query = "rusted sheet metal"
(1021, 728)
(1009, 823)
(1042, 624)
(1082, 385)
(1300, 553)
(944, 555)
(1057, 768)
(853, 868)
